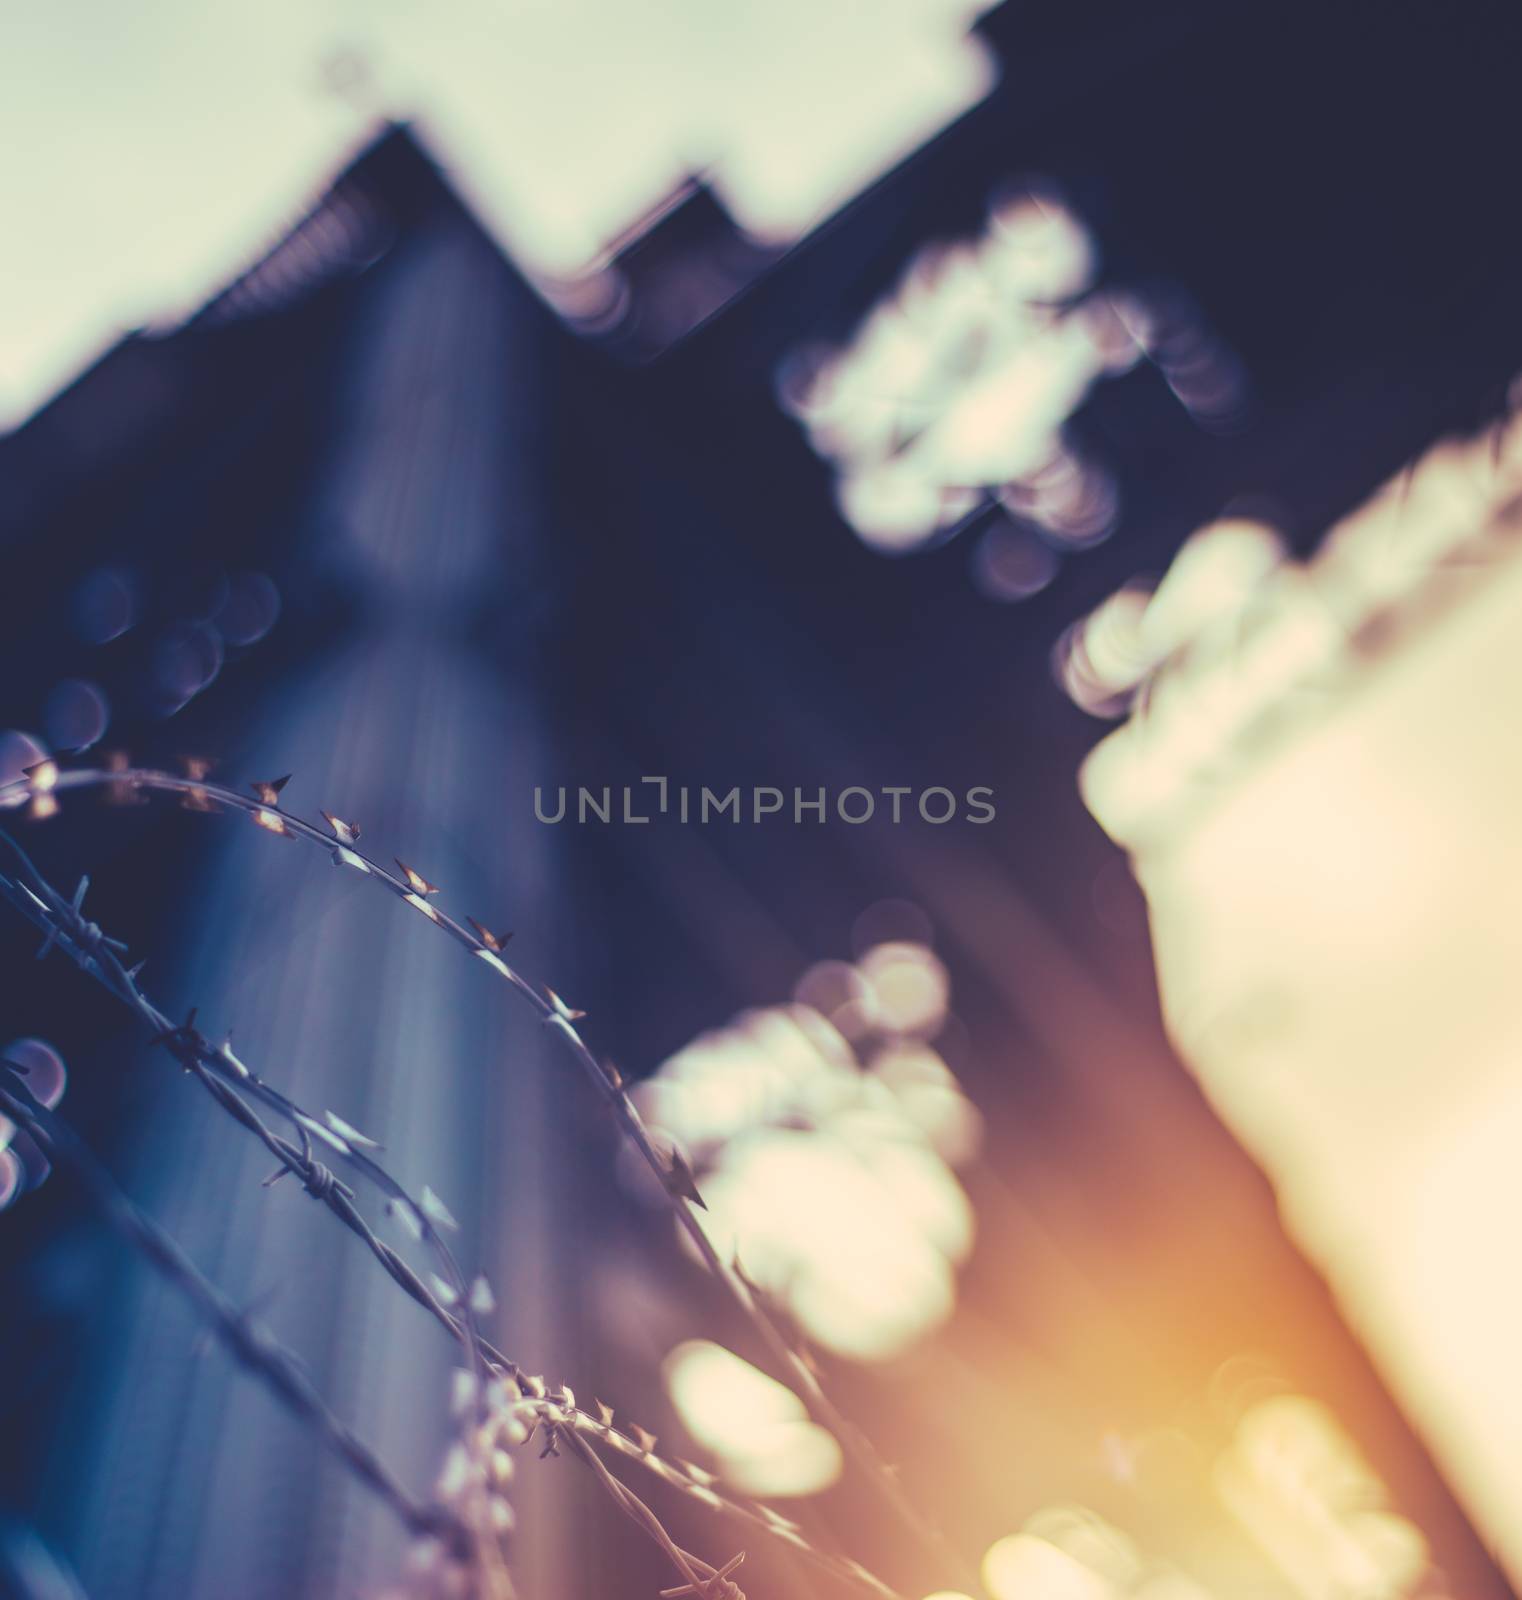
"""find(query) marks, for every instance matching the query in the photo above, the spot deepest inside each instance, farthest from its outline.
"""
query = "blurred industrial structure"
(430, 534)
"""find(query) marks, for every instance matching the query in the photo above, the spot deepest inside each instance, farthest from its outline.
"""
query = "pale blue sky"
(153, 148)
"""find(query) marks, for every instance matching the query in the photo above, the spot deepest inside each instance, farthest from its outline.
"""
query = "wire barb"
(43, 905)
(252, 1346)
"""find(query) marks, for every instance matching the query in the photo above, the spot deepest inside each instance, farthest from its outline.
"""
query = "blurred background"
(1105, 405)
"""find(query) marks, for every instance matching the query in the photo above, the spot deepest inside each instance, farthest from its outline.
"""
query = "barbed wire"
(42, 783)
(251, 1345)
(228, 1080)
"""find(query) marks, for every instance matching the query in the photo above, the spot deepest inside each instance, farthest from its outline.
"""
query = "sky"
(155, 149)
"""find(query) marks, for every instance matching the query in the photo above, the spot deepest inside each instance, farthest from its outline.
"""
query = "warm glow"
(1021, 1567)
(416, 881)
(43, 779)
(1318, 787)
(1068, 1552)
(824, 1136)
(756, 1429)
(860, 1241)
(1301, 1490)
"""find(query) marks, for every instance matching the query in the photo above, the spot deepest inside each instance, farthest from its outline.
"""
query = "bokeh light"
(105, 605)
(75, 714)
(1303, 1492)
(249, 609)
(187, 658)
(1362, 1054)
(825, 1137)
(956, 389)
(755, 1428)
(908, 988)
(23, 1166)
(42, 1067)
(1021, 1566)
(1011, 563)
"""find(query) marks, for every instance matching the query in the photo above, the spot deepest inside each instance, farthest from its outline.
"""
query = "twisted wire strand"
(253, 1347)
(671, 1172)
(228, 1080)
